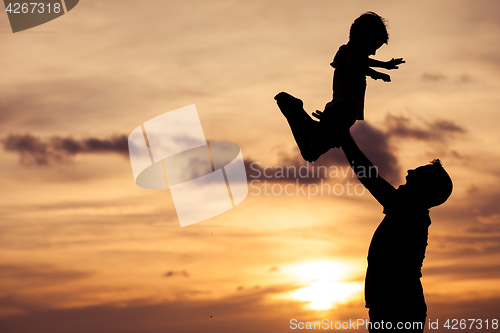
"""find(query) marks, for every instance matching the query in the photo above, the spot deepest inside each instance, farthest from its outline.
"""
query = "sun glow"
(325, 288)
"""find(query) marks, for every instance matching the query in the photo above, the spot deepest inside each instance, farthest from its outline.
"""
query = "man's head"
(368, 32)
(429, 184)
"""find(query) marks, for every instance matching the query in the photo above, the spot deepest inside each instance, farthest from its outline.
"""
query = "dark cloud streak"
(34, 150)
(438, 130)
(38, 275)
(172, 273)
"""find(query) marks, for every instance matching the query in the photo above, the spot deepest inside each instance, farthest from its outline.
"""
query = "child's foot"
(288, 104)
(305, 130)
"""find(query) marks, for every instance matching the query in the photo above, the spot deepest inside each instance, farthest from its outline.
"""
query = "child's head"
(368, 32)
(429, 184)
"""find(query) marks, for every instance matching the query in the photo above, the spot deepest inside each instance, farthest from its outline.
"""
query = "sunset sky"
(84, 249)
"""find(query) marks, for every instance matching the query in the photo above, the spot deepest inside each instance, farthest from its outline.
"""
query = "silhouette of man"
(393, 291)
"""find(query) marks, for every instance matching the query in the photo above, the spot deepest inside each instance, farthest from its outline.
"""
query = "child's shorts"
(336, 111)
(340, 110)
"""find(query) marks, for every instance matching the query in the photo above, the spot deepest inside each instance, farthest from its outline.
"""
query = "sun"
(326, 289)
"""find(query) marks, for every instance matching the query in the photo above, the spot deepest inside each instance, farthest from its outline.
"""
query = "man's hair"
(369, 27)
(440, 183)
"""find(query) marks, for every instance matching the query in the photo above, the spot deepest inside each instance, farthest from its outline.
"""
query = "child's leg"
(335, 113)
(305, 130)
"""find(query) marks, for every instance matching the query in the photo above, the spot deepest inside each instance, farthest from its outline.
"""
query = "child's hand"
(317, 114)
(384, 77)
(393, 63)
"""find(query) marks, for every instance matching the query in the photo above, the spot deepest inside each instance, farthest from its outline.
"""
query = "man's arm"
(366, 172)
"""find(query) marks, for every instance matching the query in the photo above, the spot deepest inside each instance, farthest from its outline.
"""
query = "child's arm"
(377, 75)
(364, 65)
(391, 64)
(365, 170)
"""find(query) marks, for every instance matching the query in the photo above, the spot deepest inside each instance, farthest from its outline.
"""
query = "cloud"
(469, 244)
(374, 142)
(438, 130)
(479, 207)
(445, 307)
(487, 203)
(245, 312)
(464, 271)
(465, 78)
(377, 146)
(475, 221)
(34, 150)
(438, 77)
(28, 147)
(172, 273)
(433, 77)
(37, 275)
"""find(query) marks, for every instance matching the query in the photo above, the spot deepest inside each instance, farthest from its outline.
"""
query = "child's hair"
(369, 27)
(440, 183)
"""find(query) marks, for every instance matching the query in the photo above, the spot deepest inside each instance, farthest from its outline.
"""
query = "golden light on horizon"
(324, 295)
(326, 287)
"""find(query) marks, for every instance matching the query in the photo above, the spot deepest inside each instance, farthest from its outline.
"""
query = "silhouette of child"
(352, 64)
(393, 291)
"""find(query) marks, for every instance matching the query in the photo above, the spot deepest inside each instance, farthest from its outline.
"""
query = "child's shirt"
(349, 79)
